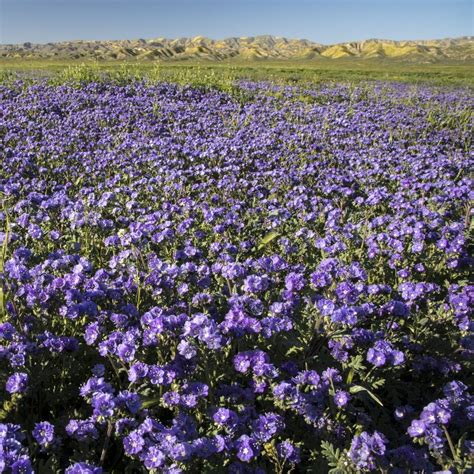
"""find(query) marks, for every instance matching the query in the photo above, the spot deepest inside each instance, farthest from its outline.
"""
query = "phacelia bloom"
(341, 398)
(321, 279)
(255, 284)
(137, 371)
(417, 428)
(288, 452)
(344, 315)
(22, 465)
(17, 382)
(130, 400)
(126, 352)
(103, 404)
(82, 430)
(242, 363)
(402, 412)
(326, 307)
(366, 449)
(266, 426)
(154, 458)
(294, 282)
(44, 433)
(186, 349)
(91, 333)
(454, 390)
(226, 417)
(376, 358)
(133, 443)
(245, 448)
(347, 292)
(83, 468)
(233, 271)
(180, 451)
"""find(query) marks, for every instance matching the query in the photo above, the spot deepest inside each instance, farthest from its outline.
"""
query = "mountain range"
(243, 48)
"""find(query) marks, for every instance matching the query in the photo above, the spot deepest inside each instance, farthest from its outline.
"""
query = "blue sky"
(325, 21)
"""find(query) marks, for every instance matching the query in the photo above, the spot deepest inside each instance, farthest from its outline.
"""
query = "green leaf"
(292, 350)
(330, 454)
(350, 376)
(358, 388)
(268, 238)
(150, 402)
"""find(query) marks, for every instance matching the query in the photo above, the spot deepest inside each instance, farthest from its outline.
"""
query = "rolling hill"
(244, 48)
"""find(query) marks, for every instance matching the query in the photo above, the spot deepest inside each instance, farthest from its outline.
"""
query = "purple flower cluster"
(13, 453)
(192, 281)
(365, 449)
(44, 433)
(436, 419)
(17, 382)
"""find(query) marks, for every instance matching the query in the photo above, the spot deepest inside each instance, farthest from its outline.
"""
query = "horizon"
(318, 21)
(166, 38)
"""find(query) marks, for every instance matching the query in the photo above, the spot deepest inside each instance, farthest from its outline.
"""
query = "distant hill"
(245, 48)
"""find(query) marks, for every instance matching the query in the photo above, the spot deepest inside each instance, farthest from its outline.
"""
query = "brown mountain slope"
(244, 48)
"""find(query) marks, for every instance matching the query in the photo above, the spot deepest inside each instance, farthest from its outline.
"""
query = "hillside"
(245, 48)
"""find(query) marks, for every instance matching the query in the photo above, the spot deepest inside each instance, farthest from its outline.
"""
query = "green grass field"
(314, 71)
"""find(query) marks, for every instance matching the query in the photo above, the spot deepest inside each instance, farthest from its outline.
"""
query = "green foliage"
(358, 388)
(224, 75)
(7, 76)
(77, 74)
(268, 238)
(335, 460)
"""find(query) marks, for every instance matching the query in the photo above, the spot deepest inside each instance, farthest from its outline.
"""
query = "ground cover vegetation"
(234, 276)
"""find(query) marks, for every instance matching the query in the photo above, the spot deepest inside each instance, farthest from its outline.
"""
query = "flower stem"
(451, 445)
(103, 454)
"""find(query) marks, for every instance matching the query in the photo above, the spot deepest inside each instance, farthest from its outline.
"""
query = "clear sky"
(324, 21)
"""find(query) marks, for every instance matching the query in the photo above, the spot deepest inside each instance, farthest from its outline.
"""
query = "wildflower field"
(264, 279)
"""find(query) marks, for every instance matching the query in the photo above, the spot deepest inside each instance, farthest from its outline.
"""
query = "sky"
(323, 21)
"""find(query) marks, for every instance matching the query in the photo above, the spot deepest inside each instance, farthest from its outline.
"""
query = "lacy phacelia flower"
(44, 433)
(17, 382)
(366, 449)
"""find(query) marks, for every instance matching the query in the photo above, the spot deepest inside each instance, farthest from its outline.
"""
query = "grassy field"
(314, 71)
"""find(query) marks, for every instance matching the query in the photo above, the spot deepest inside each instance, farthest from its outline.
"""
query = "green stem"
(3, 257)
(451, 445)
(115, 369)
(103, 454)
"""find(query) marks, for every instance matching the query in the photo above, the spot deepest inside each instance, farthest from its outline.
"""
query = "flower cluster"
(438, 417)
(365, 449)
(13, 454)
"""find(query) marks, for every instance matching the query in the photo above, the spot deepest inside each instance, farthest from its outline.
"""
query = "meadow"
(210, 73)
(243, 269)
